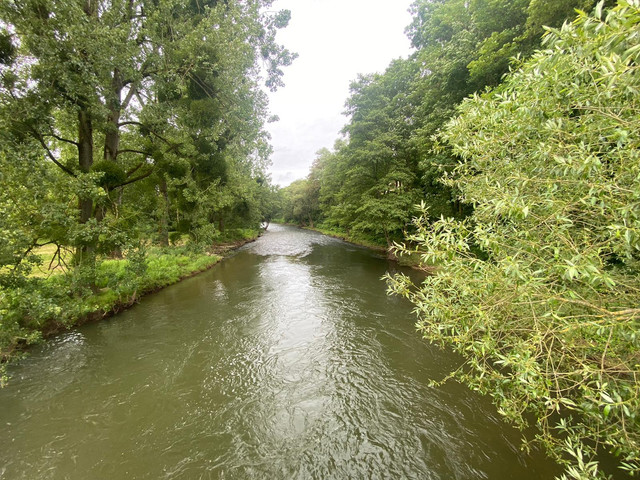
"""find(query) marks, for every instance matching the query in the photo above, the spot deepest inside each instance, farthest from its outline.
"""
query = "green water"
(286, 361)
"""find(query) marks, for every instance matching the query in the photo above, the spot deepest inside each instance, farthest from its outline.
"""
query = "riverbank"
(356, 240)
(39, 307)
(412, 261)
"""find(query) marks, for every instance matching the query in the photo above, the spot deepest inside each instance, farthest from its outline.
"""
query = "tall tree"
(115, 92)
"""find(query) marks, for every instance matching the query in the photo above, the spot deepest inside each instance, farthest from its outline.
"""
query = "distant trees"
(539, 288)
(386, 162)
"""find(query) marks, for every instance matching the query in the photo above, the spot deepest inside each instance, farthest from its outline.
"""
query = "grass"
(50, 301)
(54, 261)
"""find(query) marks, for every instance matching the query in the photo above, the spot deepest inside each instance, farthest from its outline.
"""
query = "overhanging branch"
(51, 155)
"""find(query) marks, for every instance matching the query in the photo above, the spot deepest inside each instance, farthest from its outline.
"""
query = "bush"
(548, 315)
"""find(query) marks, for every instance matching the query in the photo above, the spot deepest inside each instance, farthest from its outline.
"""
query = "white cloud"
(336, 40)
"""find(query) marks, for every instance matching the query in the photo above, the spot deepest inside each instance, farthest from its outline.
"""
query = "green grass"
(38, 305)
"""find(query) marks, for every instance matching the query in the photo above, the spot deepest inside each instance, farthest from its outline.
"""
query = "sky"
(335, 40)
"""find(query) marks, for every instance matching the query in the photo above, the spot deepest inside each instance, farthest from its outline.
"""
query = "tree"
(115, 93)
(301, 202)
(539, 287)
(377, 163)
(387, 162)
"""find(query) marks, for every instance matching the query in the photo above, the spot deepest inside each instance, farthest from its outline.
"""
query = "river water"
(285, 361)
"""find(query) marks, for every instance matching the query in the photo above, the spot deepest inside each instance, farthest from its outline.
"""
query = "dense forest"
(366, 186)
(503, 156)
(131, 140)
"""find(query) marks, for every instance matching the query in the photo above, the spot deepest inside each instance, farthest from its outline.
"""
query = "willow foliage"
(540, 287)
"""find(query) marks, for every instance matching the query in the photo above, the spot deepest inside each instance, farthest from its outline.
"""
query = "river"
(285, 361)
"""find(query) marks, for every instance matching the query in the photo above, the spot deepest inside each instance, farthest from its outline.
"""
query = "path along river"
(285, 361)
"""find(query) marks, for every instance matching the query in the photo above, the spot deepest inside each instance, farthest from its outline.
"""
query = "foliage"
(147, 115)
(547, 314)
(386, 162)
(123, 123)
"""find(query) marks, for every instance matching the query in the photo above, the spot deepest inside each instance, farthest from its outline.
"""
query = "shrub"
(548, 315)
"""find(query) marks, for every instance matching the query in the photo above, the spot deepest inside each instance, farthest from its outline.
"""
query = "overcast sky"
(335, 40)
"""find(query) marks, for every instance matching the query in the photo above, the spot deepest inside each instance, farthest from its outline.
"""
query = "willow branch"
(604, 311)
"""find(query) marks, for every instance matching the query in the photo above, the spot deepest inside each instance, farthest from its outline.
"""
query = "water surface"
(285, 361)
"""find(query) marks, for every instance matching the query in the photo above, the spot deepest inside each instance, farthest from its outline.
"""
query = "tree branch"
(50, 155)
(139, 97)
(66, 140)
(139, 124)
(132, 91)
(135, 179)
(129, 150)
(134, 169)
(34, 244)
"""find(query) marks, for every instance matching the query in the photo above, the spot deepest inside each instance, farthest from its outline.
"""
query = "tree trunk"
(390, 254)
(84, 249)
(85, 160)
(164, 219)
(112, 137)
(387, 239)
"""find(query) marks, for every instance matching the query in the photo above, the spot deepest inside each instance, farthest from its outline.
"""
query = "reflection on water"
(289, 242)
(285, 361)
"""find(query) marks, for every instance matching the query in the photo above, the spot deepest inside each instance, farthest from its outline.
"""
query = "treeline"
(529, 217)
(368, 184)
(124, 125)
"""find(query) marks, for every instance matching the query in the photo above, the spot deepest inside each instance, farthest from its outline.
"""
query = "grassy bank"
(38, 306)
(362, 240)
(407, 260)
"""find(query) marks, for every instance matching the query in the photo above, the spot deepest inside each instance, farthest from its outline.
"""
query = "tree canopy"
(148, 113)
(538, 287)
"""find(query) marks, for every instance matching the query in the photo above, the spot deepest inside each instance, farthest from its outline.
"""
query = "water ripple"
(287, 361)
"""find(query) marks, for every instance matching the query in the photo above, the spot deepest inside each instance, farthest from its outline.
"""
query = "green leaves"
(539, 287)
(129, 122)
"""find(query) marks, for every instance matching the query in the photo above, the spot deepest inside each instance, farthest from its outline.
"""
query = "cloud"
(301, 141)
(336, 40)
